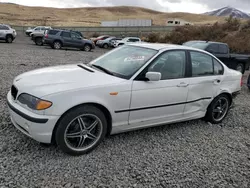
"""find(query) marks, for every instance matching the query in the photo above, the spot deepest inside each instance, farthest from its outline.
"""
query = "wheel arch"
(228, 94)
(101, 107)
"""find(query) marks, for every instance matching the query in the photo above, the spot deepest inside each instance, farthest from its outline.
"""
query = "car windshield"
(125, 61)
(199, 45)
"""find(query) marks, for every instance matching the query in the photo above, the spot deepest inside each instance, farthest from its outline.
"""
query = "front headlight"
(34, 102)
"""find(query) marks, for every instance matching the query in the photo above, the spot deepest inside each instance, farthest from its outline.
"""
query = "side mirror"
(153, 76)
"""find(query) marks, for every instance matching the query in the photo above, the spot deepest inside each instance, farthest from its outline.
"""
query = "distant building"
(177, 21)
(127, 23)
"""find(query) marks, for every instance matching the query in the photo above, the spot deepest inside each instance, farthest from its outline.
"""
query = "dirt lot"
(190, 154)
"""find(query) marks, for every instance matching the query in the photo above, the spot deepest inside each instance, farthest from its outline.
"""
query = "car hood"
(46, 81)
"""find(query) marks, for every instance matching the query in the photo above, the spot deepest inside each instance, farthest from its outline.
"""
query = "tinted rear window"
(53, 32)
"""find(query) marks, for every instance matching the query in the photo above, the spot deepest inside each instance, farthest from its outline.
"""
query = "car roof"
(5, 25)
(162, 46)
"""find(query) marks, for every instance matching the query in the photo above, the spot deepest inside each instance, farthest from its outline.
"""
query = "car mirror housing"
(153, 76)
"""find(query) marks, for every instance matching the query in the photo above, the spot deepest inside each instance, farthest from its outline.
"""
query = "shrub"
(232, 32)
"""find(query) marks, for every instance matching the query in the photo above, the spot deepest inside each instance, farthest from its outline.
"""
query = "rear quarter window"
(223, 49)
(53, 32)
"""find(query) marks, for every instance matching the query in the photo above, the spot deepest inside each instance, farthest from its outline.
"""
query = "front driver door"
(161, 101)
(76, 40)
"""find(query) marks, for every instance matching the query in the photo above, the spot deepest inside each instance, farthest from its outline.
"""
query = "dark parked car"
(221, 51)
(65, 38)
(106, 43)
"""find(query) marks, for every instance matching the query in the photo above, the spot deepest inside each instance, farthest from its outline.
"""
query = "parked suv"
(127, 40)
(64, 38)
(39, 30)
(7, 33)
(36, 29)
(106, 43)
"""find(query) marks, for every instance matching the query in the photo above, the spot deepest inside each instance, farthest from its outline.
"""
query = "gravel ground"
(190, 154)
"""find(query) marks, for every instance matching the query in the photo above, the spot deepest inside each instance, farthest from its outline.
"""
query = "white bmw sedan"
(132, 87)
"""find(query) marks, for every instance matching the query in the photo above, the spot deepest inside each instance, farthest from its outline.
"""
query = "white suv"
(7, 33)
(38, 29)
(127, 40)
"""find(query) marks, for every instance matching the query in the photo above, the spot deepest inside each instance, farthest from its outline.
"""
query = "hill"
(14, 14)
(228, 11)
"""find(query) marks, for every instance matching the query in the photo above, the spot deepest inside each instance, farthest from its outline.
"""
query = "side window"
(65, 34)
(37, 29)
(218, 69)
(75, 35)
(213, 48)
(170, 64)
(1, 27)
(202, 64)
(223, 49)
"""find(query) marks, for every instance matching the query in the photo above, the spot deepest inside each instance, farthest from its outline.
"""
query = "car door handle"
(217, 81)
(182, 84)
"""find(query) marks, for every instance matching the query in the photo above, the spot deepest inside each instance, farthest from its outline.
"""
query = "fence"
(115, 31)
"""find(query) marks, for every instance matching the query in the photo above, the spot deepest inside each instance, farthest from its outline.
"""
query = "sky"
(192, 6)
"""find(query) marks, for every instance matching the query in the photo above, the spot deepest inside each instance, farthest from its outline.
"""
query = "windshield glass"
(125, 61)
(199, 45)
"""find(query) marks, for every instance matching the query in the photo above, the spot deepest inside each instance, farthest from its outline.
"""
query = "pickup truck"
(221, 51)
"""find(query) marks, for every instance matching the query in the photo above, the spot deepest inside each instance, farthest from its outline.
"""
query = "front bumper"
(37, 127)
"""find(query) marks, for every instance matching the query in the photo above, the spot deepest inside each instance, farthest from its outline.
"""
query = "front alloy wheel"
(87, 48)
(81, 130)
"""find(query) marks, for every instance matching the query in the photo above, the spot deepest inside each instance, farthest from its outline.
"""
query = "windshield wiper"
(103, 69)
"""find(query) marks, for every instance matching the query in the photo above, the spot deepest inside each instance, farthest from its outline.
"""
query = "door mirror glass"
(153, 76)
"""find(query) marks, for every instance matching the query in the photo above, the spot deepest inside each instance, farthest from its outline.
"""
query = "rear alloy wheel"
(105, 46)
(240, 67)
(87, 48)
(57, 45)
(81, 130)
(218, 109)
(9, 39)
(39, 41)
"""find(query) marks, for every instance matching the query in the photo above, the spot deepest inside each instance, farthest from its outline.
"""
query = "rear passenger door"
(204, 82)
(66, 37)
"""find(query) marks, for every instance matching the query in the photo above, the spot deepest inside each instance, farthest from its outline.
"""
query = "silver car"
(7, 33)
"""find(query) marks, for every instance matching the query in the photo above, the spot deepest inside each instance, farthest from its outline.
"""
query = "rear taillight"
(46, 36)
(241, 81)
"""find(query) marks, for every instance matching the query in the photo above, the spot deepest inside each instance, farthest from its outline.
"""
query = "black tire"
(87, 48)
(106, 46)
(57, 45)
(9, 39)
(69, 119)
(39, 41)
(212, 107)
(240, 67)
